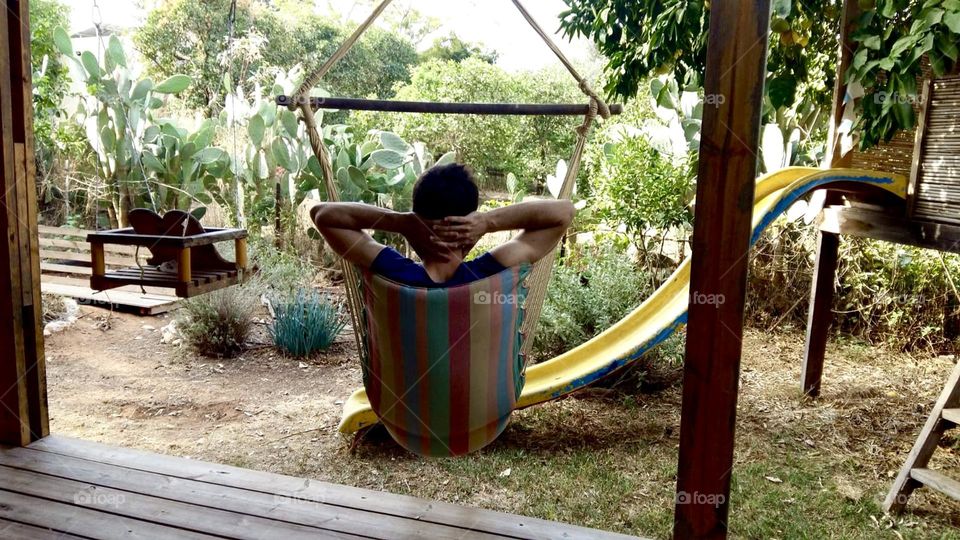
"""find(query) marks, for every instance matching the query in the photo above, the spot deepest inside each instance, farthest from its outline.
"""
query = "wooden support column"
(736, 69)
(23, 406)
(820, 313)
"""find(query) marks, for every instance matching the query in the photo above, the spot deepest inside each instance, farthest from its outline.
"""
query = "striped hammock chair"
(443, 372)
(443, 368)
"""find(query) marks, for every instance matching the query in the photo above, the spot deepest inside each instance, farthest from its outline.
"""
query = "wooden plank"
(126, 237)
(320, 492)
(326, 517)
(83, 246)
(84, 521)
(735, 70)
(924, 446)
(64, 231)
(820, 313)
(145, 304)
(171, 513)
(432, 107)
(84, 282)
(82, 257)
(880, 226)
(938, 481)
(46, 268)
(12, 530)
(845, 50)
(951, 415)
(14, 401)
(33, 313)
(921, 133)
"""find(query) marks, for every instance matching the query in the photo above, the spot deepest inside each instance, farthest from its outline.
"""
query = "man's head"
(445, 190)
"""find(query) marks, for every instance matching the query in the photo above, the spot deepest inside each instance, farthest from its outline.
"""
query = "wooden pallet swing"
(183, 256)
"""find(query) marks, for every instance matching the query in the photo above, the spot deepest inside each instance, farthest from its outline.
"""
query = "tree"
(51, 78)
(455, 49)
(494, 146)
(668, 37)
(194, 38)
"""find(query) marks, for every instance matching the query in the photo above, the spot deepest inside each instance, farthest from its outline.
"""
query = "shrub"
(217, 324)
(889, 294)
(587, 294)
(637, 186)
(280, 270)
(54, 307)
(305, 322)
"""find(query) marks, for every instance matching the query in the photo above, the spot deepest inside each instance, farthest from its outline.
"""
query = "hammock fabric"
(444, 370)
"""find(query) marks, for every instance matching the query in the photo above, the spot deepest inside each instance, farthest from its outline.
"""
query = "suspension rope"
(540, 276)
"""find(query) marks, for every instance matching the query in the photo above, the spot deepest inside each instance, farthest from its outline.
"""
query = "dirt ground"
(111, 380)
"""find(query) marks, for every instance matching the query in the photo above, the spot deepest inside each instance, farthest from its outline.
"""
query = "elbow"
(566, 212)
(319, 215)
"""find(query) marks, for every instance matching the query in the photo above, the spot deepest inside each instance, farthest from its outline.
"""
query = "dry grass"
(606, 459)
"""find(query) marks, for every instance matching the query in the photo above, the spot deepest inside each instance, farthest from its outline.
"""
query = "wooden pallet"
(914, 474)
(65, 271)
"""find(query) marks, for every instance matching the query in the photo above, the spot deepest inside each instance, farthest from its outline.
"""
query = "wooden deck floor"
(68, 488)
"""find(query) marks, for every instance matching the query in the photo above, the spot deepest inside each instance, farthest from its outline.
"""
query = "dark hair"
(445, 190)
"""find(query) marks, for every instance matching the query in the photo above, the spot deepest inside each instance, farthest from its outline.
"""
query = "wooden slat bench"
(65, 271)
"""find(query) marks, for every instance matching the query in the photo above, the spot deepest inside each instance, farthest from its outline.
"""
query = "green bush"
(305, 322)
(635, 185)
(217, 324)
(588, 293)
(899, 296)
(280, 270)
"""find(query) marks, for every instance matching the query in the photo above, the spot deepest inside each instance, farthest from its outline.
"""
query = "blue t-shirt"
(394, 266)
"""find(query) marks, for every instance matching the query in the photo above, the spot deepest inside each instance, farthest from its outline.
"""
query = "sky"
(495, 23)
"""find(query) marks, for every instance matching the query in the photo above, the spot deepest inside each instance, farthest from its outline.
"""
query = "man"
(443, 228)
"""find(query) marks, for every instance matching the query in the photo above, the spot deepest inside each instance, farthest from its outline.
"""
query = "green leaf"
(872, 42)
(388, 159)
(203, 197)
(281, 154)
(208, 156)
(357, 177)
(256, 130)
(782, 91)
(392, 141)
(174, 85)
(62, 40)
(289, 121)
(90, 64)
(115, 51)
(108, 138)
(141, 90)
(151, 162)
(199, 212)
(952, 21)
(343, 159)
(446, 159)
(948, 47)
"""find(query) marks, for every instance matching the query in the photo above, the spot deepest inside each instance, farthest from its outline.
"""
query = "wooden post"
(184, 274)
(736, 68)
(23, 406)
(820, 314)
(98, 259)
(240, 251)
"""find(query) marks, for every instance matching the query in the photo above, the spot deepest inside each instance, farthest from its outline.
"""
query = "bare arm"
(343, 226)
(543, 224)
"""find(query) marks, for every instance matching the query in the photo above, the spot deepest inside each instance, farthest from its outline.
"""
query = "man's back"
(395, 267)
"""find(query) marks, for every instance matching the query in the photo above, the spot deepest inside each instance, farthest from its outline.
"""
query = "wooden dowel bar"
(432, 107)
(98, 259)
(240, 249)
(183, 265)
